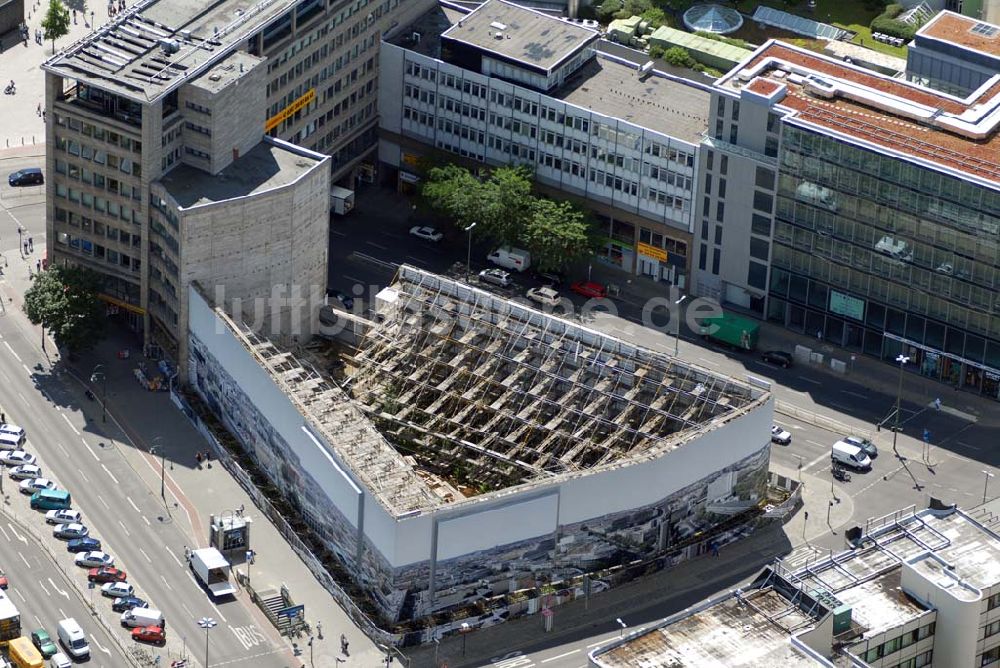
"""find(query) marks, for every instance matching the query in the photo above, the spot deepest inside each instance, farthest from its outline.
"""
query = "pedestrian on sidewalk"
(38, 110)
(3, 418)
(31, 244)
(38, 266)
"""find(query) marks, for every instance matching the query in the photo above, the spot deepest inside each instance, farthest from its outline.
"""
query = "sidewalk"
(647, 600)
(205, 489)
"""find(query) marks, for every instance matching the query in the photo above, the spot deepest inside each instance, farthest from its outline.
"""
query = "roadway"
(64, 432)
(41, 589)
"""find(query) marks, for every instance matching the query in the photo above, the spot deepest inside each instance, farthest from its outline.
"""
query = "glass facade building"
(883, 255)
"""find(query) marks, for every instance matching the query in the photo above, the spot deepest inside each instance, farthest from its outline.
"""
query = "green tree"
(607, 10)
(56, 22)
(452, 191)
(634, 8)
(557, 234)
(656, 17)
(505, 204)
(63, 300)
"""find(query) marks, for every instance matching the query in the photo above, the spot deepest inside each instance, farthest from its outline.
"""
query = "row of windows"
(610, 180)
(99, 133)
(98, 156)
(98, 180)
(99, 228)
(88, 247)
(198, 128)
(97, 203)
(919, 661)
(463, 131)
(895, 644)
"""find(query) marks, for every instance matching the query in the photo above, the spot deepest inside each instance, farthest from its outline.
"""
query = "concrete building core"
(479, 444)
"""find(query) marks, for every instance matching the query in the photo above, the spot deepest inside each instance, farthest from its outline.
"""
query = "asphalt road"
(64, 432)
(41, 590)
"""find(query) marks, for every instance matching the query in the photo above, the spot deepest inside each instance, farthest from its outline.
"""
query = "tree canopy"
(56, 22)
(63, 300)
(506, 212)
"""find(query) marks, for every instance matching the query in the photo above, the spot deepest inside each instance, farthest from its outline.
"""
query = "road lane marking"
(370, 243)
(166, 583)
(416, 259)
(967, 445)
(91, 451)
(21, 596)
(132, 503)
(4, 534)
(42, 585)
(214, 607)
(23, 559)
(809, 380)
(599, 642)
(110, 474)
(816, 461)
(855, 394)
(339, 234)
(62, 614)
(12, 351)
(353, 279)
(84, 476)
(75, 430)
(822, 445)
(171, 553)
(24, 399)
(145, 555)
(707, 361)
(16, 534)
(58, 590)
(187, 610)
(124, 528)
(62, 449)
(101, 499)
(146, 520)
(561, 656)
(100, 646)
(25, 367)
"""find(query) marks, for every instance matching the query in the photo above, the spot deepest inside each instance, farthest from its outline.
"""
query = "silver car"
(26, 472)
(70, 531)
(496, 277)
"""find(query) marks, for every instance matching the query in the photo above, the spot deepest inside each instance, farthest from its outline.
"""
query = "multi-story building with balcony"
(860, 209)
(505, 84)
(171, 84)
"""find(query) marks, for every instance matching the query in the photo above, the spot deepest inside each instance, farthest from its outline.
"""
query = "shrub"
(725, 40)
(656, 52)
(607, 10)
(887, 24)
(679, 57)
(655, 17)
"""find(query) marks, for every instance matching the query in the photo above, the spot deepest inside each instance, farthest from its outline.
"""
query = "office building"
(858, 208)
(915, 589)
(505, 84)
(173, 84)
(477, 447)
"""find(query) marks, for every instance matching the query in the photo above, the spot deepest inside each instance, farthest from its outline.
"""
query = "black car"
(779, 357)
(32, 176)
(345, 300)
(87, 544)
(126, 603)
(552, 278)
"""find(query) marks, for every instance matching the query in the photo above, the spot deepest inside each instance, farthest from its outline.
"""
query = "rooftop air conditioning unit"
(415, 37)
(185, 34)
(170, 45)
(499, 35)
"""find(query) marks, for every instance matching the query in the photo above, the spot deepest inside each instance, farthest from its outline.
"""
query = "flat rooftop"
(125, 56)
(657, 101)
(966, 32)
(234, 66)
(750, 630)
(267, 166)
(518, 33)
(883, 113)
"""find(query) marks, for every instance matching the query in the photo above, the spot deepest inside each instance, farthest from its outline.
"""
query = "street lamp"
(98, 375)
(986, 484)
(623, 625)
(468, 256)
(310, 651)
(903, 360)
(163, 466)
(677, 332)
(208, 624)
(465, 626)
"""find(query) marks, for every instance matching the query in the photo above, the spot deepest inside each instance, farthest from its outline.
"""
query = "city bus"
(24, 655)
(10, 620)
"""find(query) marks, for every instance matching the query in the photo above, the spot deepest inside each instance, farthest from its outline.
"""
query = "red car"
(589, 289)
(3, 580)
(152, 634)
(107, 574)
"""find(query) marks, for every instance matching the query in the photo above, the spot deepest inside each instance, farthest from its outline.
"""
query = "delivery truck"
(212, 570)
(341, 200)
(730, 330)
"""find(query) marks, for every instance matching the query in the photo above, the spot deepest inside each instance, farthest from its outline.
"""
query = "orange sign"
(652, 251)
(290, 110)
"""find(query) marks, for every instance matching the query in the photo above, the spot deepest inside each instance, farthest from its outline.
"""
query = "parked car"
(117, 589)
(545, 296)
(589, 289)
(780, 436)
(496, 277)
(41, 639)
(16, 458)
(33, 485)
(62, 516)
(31, 176)
(345, 300)
(94, 559)
(26, 472)
(88, 544)
(12, 429)
(550, 278)
(778, 357)
(4, 583)
(108, 574)
(70, 531)
(426, 233)
(150, 634)
(60, 660)
(126, 603)
(866, 446)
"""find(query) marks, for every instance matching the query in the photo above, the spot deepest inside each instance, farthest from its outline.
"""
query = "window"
(993, 602)
(991, 629)
(708, 184)
(720, 211)
(704, 230)
(762, 201)
(733, 133)
(759, 248)
(718, 235)
(990, 656)
(760, 225)
(716, 257)
(723, 164)
(718, 128)
(757, 275)
(771, 147)
(764, 178)
(736, 110)
(720, 106)
(709, 159)
(703, 252)
(722, 188)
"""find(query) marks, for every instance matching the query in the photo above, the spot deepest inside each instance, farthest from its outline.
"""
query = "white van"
(510, 258)
(850, 455)
(10, 441)
(73, 639)
(142, 617)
